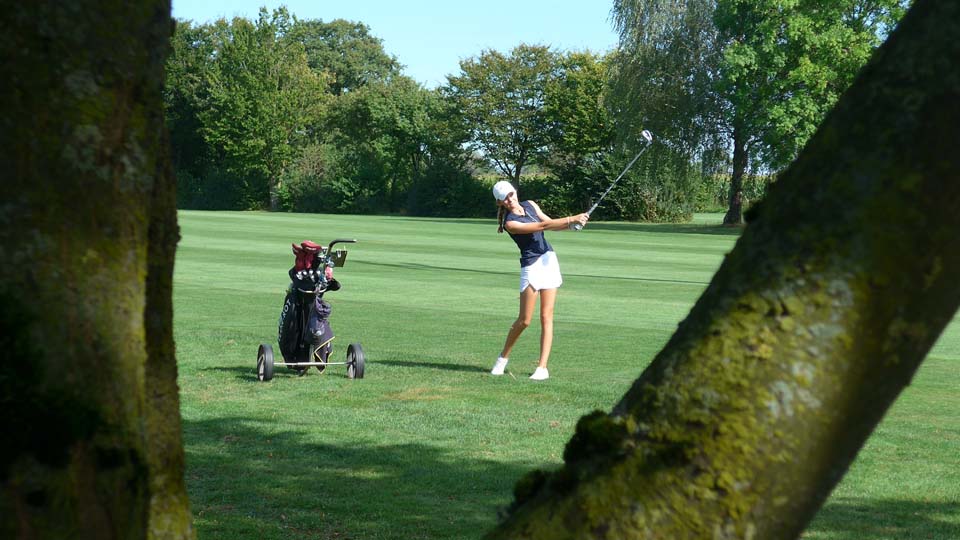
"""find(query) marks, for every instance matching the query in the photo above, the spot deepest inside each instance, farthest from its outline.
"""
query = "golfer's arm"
(540, 215)
(558, 224)
(528, 228)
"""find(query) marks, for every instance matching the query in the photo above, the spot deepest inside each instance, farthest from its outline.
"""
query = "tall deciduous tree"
(185, 92)
(664, 71)
(581, 127)
(581, 132)
(501, 98)
(345, 52)
(747, 419)
(784, 64)
(385, 123)
(663, 78)
(752, 78)
(261, 97)
(92, 444)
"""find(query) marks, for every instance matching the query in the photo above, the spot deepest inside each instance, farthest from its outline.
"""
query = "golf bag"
(304, 332)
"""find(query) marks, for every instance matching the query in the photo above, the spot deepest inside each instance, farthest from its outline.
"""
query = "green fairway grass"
(428, 445)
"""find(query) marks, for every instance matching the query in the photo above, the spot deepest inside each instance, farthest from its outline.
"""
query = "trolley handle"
(340, 241)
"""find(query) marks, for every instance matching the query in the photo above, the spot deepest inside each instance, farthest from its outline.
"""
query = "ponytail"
(501, 214)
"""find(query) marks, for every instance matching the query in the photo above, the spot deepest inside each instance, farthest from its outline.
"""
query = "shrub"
(713, 192)
(448, 190)
(217, 189)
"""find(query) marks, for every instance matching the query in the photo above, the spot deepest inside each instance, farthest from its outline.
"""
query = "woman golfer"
(539, 269)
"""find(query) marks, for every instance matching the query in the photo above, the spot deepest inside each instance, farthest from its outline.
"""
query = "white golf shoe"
(499, 366)
(540, 374)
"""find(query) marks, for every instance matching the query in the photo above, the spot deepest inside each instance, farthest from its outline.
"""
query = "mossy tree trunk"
(842, 281)
(88, 231)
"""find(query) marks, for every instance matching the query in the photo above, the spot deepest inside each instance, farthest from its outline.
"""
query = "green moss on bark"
(87, 191)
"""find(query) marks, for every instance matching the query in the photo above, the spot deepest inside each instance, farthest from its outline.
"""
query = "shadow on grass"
(433, 365)
(492, 221)
(247, 480)
(420, 266)
(240, 373)
(885, 519)
(649, 280)
(249, 374)
(669, 228)
(431, 267)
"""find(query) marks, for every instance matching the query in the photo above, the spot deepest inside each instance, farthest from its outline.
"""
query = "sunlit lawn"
(428, 445)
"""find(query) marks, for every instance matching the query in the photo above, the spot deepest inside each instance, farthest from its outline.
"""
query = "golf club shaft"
(604, 194)
(578, 226)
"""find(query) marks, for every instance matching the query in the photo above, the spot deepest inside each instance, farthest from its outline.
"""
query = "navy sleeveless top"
(532, 245)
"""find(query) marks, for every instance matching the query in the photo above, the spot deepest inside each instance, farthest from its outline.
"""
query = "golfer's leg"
(548, 298)
(528, 300)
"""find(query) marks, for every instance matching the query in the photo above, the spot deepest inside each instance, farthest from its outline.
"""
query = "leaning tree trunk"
(92, 442)
(839, 286)
(734, 215)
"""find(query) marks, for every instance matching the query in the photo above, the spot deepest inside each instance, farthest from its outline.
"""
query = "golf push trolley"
(304, 332)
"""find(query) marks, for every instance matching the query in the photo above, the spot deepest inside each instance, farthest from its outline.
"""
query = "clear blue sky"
(430, 37)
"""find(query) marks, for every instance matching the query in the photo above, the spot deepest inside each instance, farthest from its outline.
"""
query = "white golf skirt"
(544, 273)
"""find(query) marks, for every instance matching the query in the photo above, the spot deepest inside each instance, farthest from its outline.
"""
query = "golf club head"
(647, 135)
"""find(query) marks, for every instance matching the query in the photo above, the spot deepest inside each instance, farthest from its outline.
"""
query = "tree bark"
(93, 444)
(274, 192)
(842, 281)
(515, 179)
(734, 215)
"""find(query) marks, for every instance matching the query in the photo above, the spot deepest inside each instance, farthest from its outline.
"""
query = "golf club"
(649, 138)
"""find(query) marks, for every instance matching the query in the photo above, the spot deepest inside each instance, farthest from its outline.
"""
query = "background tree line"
(313, 116)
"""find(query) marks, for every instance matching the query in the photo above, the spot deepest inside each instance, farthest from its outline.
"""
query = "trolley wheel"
(317, 355)
(265, 362)
(355, 361)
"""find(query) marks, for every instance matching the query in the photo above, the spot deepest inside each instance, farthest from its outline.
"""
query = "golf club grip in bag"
(647, 136)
